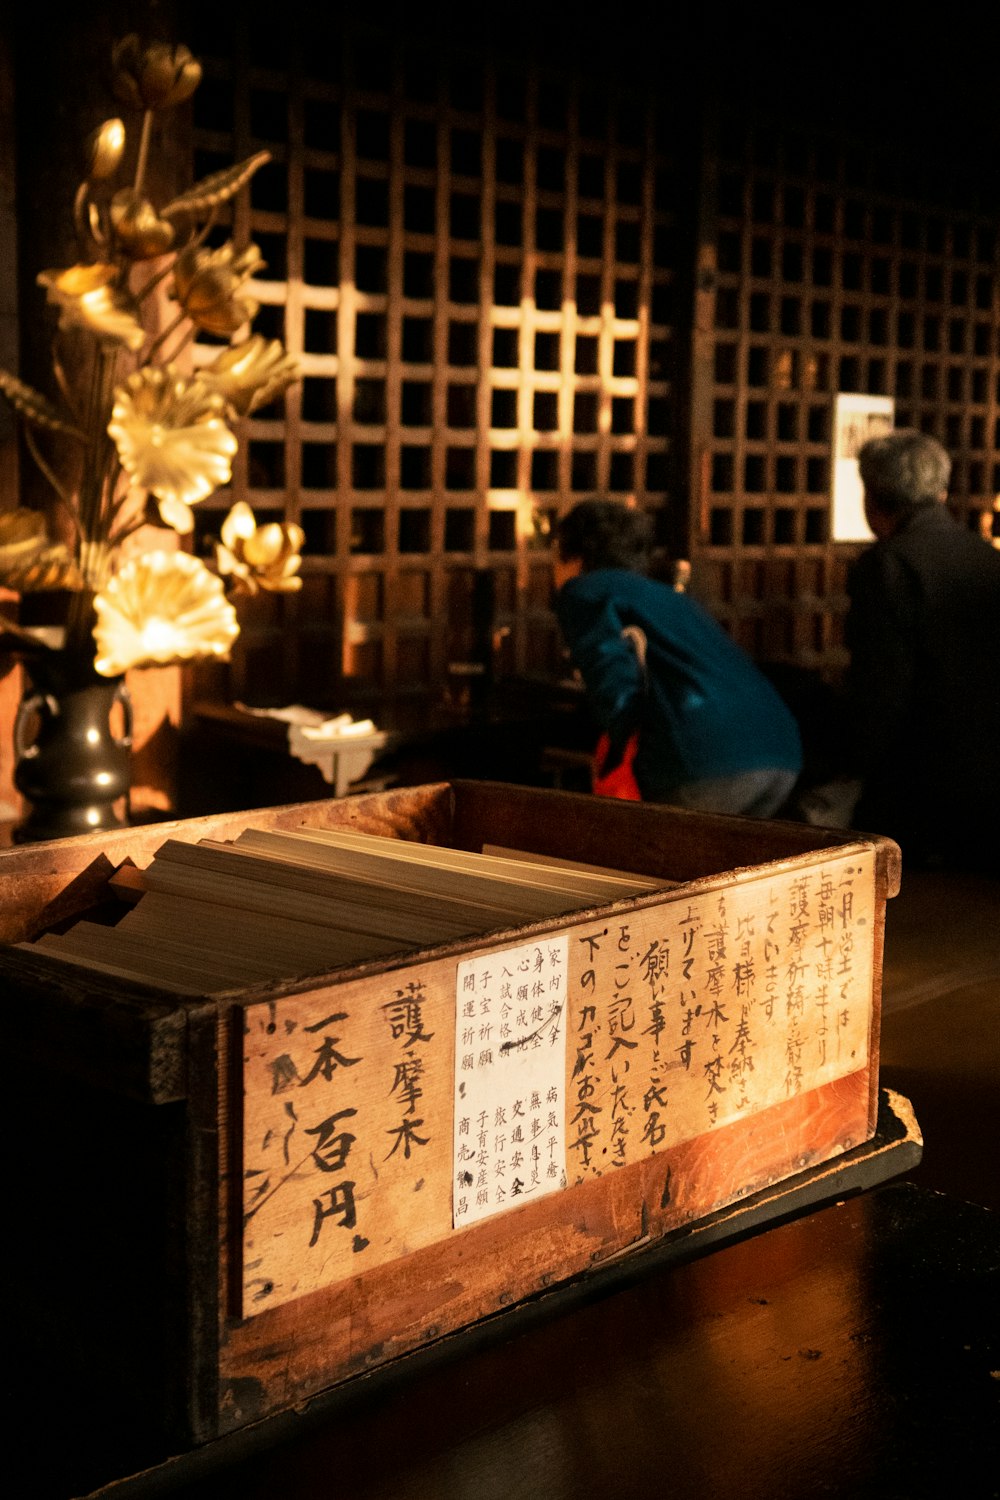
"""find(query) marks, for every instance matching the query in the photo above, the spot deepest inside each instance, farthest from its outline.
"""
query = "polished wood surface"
(941, 1025)
(850, 1353)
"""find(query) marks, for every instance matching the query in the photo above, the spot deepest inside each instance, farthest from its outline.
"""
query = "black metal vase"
(70, 764)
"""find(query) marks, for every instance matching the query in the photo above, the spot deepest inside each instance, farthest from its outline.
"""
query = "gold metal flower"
(251, 374)
(89, 297)
(206, 283)
(154, 76)
(260, 557)
(139, 230)
(103, 150)
(171, 431)
(172, 440)
(160, 608)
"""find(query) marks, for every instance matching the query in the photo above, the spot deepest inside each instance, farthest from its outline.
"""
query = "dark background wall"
(719, 220)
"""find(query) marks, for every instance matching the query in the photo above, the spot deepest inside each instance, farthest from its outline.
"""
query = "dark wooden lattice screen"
(814, 280)
(474, 264)
(494, 287)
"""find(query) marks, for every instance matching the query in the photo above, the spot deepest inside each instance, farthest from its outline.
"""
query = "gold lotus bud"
(89, 297)
(154, 76)
(104, 149)
(206, 283)
(274, 554)
(139, 230)
(260, 557)
(171, 439)
(251, 374)
(162, 607)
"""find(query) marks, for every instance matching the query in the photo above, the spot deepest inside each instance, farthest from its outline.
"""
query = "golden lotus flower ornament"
(162, 608)
(154, 76)
(121, 383)
(104, 149)
(172, 440)
(90, 297)
(251, 374)
(260, 557)
(139, 231)
(206, 284)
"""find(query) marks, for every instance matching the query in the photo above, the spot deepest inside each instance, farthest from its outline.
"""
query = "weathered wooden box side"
(230, 1351)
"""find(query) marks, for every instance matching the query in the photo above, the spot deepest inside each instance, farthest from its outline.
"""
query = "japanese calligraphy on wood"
(347, 1125)
(671, 1017)
(699, 1012)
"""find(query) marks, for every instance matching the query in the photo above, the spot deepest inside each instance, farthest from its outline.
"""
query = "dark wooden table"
(232, 760)
(852, 1352)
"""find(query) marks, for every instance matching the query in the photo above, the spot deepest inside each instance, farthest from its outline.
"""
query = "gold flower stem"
(117, 537)
(80, 217)
(126, 502)
(94, 562)
(88, 502)
(91, 485)
(108, 483)
(69, 395)
(43, 465)
(205, 229)
(86, 549)
(66, 505)
(154, 281)
(140, 166)
(161, 338)
(192, 243)
(79, 622)
(188, 338)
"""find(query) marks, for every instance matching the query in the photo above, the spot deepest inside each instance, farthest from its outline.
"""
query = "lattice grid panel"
(475, 267)
(821, 283)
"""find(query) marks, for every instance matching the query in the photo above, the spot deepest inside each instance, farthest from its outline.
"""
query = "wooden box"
(227, 1204)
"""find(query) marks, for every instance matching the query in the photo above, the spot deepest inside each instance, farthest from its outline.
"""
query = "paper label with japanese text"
(510, 1079)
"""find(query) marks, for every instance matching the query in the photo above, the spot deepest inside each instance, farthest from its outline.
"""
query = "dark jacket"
(924, 635)
(702, 707)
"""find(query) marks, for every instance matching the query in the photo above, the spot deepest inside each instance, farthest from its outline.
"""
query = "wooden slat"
(825, 283)
(377, 639)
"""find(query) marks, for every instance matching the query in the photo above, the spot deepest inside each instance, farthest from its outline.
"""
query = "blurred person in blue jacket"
(680, 704)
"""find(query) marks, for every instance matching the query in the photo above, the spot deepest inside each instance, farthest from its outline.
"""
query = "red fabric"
(621, 781)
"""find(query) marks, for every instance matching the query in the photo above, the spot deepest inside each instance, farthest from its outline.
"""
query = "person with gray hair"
(902, 471)
(923, 630)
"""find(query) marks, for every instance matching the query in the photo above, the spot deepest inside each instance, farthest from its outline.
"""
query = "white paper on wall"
(856, 418)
